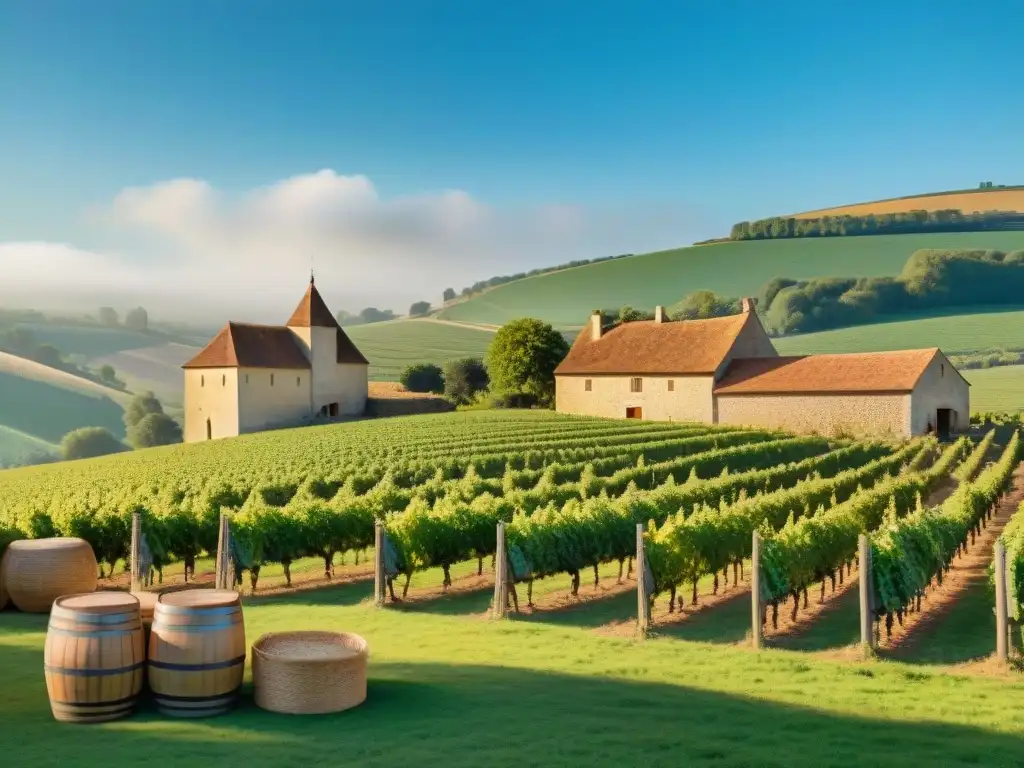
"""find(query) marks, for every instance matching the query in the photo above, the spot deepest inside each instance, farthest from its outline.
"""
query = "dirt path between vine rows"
(968, 570)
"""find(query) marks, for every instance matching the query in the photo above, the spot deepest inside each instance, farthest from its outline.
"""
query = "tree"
(108, 374)
(423, 377)
(522, 359)
(449, 294)
(141, 406)
(154, 429)
(464, 378)
(47, 354)
(347, 318)
(87, 442)
(137, 319)
(374, 315)
(419, 308)
(108, 316)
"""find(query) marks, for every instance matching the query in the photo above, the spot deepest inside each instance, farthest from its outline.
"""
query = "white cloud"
(196, 241)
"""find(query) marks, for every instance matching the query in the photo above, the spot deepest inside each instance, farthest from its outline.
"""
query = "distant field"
(151, 368)
(977, 200)
(955, 334)
(566, 298)
(88, 341)
(997, 389)
(393, 346)
(16, 447)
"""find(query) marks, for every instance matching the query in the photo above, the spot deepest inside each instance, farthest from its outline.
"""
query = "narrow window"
(588, 385)
(271, 379)
(942, 371)
(298, 381)
(247, 378)
(671, 385)
(202, 381)
(636, 385)
(224, 380)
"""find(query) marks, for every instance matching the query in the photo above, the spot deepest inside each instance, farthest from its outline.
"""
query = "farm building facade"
(255, 377)
(726, 371)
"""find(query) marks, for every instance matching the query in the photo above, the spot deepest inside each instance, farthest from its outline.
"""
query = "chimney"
(659, 314)
(748, 304)
(595, 325)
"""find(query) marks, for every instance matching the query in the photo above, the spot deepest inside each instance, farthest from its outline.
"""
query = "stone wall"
(860, 414)
(940, 386)
(210, 393)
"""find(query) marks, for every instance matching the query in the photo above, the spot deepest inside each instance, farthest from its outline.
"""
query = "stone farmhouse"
(255, 377)
(726, 371)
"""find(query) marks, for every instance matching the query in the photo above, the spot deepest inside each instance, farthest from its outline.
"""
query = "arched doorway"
(209, 429)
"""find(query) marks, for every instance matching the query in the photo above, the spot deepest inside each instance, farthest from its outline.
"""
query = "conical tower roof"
(312, 311)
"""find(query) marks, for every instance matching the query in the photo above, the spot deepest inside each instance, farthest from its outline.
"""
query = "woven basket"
(38, 571)
(309, 673)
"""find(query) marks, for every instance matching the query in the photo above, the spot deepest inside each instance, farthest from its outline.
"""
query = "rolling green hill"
(393, 346)
(969, 331)
(566, 298)
(39, 405)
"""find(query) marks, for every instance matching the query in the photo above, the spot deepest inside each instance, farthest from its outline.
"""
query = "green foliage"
(88, 442)
(141, 406)
(449, 294)
(909, 222)
(464, 378)
(107, 374)
(108, 316)
(522, 359)
(419, 308)
(702, 305)
(154, 429)
(423, 377)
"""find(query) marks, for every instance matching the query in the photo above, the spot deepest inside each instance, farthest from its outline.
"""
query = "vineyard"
(570, 489)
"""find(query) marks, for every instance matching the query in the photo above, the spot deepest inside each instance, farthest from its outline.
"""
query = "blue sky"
(691, 114)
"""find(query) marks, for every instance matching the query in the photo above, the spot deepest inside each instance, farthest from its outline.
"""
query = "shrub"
(88, 442)
(423, 377)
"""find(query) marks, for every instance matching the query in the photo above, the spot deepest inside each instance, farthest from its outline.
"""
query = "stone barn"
(726, 371)
(255, 377)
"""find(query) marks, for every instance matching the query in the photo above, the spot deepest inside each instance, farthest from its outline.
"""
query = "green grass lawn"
(454, 689)
(90, 341)
(955, 332)
(997, 389)
(393, 346)
(566, 298)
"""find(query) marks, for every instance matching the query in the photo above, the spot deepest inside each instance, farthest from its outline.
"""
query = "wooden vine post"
(136, 561)
(643, 586)
(224, 578)
(756, 609)
(379, 575)
(1002, 606)
(500, 607)
(867, 635)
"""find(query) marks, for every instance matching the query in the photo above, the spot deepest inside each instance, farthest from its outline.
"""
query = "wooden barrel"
(38, 571)
(94, 658)
(196, 652)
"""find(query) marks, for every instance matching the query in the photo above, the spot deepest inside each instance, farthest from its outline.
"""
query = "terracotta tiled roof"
(240, 345)
(347, 351)
(312, 311)
(646, 346)
(867, 372)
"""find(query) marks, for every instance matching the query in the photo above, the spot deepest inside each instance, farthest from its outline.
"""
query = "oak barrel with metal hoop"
(94, 659)
(196, 652)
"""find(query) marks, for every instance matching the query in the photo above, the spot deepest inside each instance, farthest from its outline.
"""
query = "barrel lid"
(107, 601)
(199, 598)
(61, 542)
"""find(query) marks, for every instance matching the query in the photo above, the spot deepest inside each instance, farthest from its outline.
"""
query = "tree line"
(931, 279)
(909, 222)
